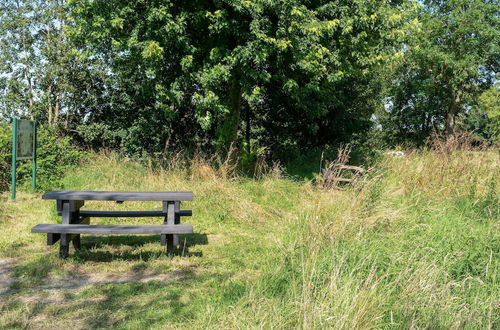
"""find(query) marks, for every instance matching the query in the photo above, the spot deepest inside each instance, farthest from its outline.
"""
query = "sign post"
(23, 147)
(14, 156)
(33, 162)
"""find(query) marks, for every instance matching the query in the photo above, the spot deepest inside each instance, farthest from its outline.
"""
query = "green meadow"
(413, 244)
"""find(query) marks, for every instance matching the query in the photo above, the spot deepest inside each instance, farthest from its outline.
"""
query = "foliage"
(445, 65)
(99, 135)
(483, 120)
(5, 154)
(148, 77)
(489, 103)
(42, 76)
(291, 72)
(55, 156)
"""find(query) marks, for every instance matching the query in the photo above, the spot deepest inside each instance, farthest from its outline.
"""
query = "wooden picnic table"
(76, 221)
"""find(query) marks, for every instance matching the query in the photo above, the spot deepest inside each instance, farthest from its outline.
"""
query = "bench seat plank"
(119, 195)
(112, 229)
(129, 214)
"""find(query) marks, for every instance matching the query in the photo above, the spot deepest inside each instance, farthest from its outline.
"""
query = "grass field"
(414, 245)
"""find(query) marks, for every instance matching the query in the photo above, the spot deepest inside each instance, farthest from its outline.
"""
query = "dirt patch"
(58, 290)
(42, 297)
(7, 265)
(53, 297)
(53, 290)
(61, 283)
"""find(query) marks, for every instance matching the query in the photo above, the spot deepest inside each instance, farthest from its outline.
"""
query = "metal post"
(14, 156)
(33, 162)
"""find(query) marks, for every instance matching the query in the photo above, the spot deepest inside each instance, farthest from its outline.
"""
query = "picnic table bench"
(76, 221)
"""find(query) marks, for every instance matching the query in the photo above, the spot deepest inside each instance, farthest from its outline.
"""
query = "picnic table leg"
(76, 242)
(168, 239)
(170, 245)
(76, 238)
(177, 220)
(70, 214)
(64, 247)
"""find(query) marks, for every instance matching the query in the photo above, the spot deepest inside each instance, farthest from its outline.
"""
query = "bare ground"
(49, 291)
(6, 281)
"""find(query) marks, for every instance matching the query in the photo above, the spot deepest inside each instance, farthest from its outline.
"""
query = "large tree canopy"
(291, 71)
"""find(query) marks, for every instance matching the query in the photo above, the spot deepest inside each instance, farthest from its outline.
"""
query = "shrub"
(55, 155)
(5, 154)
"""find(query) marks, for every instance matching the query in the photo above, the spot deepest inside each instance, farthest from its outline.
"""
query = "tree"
(276, 71)
(489, 103)
(18, 58)
(446, 66)
(41, 75)
(484, 119)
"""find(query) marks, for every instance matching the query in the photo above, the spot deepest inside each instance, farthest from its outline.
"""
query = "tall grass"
(414, 244)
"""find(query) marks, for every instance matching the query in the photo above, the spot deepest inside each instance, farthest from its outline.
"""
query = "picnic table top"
(119, 195)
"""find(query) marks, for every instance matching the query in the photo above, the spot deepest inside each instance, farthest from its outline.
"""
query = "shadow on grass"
(128, 240)
(90, 247)
(34, 271)
(152, 304)
(135, 240)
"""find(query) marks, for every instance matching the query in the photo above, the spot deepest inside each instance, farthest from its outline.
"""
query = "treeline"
(149, 76)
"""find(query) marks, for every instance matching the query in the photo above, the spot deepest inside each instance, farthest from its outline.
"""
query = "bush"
(99, 135)
(55, 155)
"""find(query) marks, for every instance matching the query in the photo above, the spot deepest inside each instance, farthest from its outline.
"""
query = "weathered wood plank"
(119, 195)
(171, 213)
(131, 214)
(66, 212)
(169, 209)
(351, 167)
(112, 229)
(69, 213)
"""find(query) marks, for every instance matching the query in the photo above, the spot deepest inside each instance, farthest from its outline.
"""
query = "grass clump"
(414, 244)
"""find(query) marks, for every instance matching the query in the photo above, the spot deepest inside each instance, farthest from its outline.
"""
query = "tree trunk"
(247, 129)
(450, 122)
(229, 129)
(49, 110)
(66, 122)
(30, 91)
(452, 111)
(57, 108)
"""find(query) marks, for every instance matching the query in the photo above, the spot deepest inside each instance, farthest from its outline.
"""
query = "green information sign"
(25, 139)
(23, 147)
